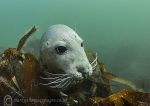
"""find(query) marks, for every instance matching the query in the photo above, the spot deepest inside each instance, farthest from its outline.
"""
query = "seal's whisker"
(59, 85)
(93, 62)
(51, 78)
(66, 84)
(94, 59)
(63, 84)
(94, 66)
(56, 81)
(70, 81)
(59, 80)
(54, 74)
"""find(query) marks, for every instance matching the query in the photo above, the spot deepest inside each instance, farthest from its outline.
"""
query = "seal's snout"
(82, 71)
(85, 71)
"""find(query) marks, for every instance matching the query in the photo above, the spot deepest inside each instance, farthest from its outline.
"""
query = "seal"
(63, 57)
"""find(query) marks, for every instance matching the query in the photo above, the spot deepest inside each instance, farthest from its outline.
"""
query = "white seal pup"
(63, 57)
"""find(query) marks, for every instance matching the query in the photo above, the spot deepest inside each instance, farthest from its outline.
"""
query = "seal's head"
(62, 52)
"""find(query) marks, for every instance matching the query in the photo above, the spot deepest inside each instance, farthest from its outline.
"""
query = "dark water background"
(119, 30)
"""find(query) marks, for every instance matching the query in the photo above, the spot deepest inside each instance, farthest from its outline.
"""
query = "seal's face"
(62, 52)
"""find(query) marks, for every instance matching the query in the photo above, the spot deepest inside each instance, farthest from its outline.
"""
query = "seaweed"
(25, 37)
(121, 98)
(19, 73)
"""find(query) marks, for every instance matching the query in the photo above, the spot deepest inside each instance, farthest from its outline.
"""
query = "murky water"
(119, 30)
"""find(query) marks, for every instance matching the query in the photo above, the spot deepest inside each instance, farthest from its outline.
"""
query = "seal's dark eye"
(82, 44)
(60, 49)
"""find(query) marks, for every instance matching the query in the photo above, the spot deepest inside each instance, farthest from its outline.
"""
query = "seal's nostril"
(85, 75)
(83, 71)
(80, 69)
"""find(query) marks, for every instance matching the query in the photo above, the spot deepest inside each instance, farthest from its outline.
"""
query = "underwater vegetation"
(19, 78)
(122, 98)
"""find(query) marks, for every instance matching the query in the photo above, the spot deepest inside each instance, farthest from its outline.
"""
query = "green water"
(119, 30)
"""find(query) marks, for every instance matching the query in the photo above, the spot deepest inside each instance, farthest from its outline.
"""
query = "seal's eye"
(82, 44)
(60, 49)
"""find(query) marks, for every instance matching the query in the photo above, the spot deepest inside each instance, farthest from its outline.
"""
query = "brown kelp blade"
(106, 74)
(6, 87)
(121, 98)
(25, 37)
(32, 89)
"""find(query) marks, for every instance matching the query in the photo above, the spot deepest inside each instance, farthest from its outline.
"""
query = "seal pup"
(63, 58)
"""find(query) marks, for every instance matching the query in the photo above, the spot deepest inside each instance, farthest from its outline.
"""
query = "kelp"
(121, 98)
(20, 73)
(108, 76)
